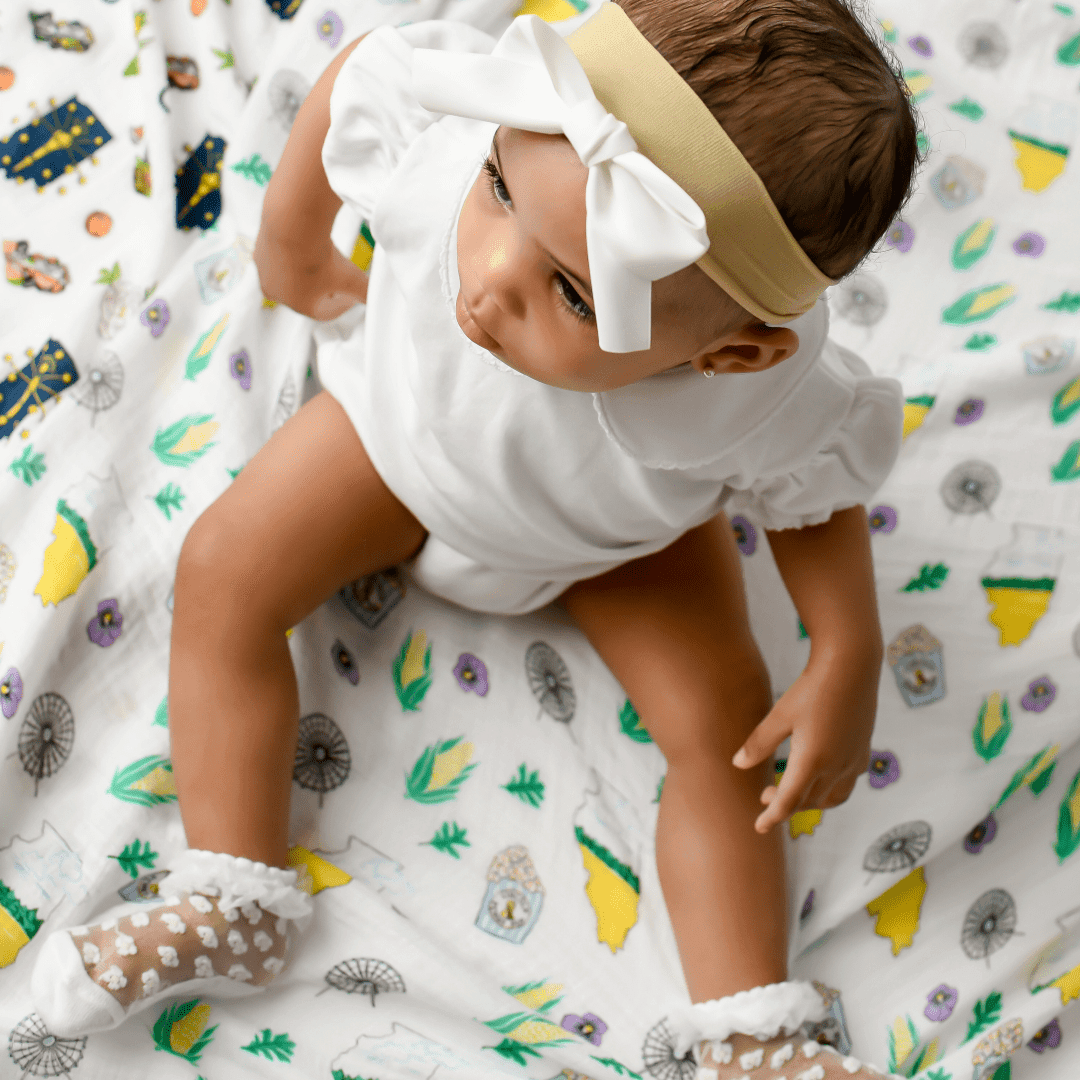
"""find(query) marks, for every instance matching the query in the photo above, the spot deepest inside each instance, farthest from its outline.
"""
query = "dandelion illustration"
(364, 975)
(588, 1026)
(884, 768)
(287, 91)
(11, 692)
(658, 1055)
(882, 519)
(156, 317)
(940, 1003)
(330, 28)
(967, 412)
(981, 835)
(471, 673)
(989, 924)
(1040, 695)
(322, 759)
(344, 663)
(745, 535)
(1046, 1038)
(970, 487)
(983, 44)
(101, 386)
(898, 849)
(861, 299)
(105, 627)
(900, 236)
(46, 736)
(38, 1052)
(240, 368)
(1030, 245)
(549, 680)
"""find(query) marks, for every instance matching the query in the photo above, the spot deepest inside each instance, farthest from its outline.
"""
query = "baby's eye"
(573, 301)
(495, 182)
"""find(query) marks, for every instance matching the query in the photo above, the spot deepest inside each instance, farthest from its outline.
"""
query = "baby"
(591, 325)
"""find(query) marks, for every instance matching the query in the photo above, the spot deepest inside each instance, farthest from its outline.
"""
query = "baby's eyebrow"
(583, 283)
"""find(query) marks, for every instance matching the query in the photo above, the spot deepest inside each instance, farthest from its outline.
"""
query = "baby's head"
(818, 111)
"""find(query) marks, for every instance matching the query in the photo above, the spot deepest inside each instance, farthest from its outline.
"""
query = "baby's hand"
(829, 713)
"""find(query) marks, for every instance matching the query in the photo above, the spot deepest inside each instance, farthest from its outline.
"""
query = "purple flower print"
(589, 1026)
(344, 662)
(1030, 245)
(967, 412)
(330, 28)
(240, 368)
(745, 535)
(981, 835)
(882, 519)
(884, 768)
(900, 236)
(471, 674)
(156, 317)
(10, 692)
(104, 628)
(1047, 1038)
(921, 45)
(807, 907)
(940, 1003)
(1040, 695)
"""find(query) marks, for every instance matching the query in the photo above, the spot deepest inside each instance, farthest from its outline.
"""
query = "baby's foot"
(201, 941)
(742, 1057)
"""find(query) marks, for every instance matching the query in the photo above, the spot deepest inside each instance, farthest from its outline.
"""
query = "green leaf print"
(448, 835)
(109, 277)
(970, 110)
(161, 715)
(1069, 53)
(618, 1066)
(135, 855)
(227, 61)
(528, 787)
(273, 1047)
(514, 1051)
(1068, 468)
(986, 1012)
(630, 723)
(254, 168)
(168, 499)
(28, 467)
(180, 1030)
(1068, 832)
(928, 578)
(1067, 302)
(979, 342)
(938, 1074)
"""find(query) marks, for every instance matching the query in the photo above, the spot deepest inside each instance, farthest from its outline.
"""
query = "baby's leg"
(674, 631)
(307, 515)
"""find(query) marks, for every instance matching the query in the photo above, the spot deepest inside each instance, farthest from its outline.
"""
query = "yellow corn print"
(184, 442)
(185, 1032)
(199, 357)
(536, 996)
(439, 772)
(412, 670)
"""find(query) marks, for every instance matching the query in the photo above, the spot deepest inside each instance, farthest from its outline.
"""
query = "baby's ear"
(752, 348)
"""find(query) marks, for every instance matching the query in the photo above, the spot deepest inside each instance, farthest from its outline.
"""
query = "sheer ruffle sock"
(755, 1034)
(222, 928)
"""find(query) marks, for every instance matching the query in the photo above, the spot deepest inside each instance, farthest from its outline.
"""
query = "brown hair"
(815, 104)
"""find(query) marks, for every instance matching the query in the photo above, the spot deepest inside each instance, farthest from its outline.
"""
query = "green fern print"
(630, 723)
(254, 168)
(985, 1012)
(1067, 302)
(517, 1052)
(928, 578)
(227, 61)
(28, 467)
(135, 855)
(618, 1066)
(273, 1047)
(979, 342)
(447, 837)
(528, 787)
(109, 277)
(168, 499)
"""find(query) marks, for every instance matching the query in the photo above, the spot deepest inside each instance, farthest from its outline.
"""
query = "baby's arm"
(829, 710)
(297, 263)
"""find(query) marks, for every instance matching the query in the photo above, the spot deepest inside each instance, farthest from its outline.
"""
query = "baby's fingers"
(762, 741)
(784, 800)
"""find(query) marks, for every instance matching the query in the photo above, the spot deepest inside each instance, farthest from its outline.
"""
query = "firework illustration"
(970, 487)
(898, 849)
(658, 1055)
(549, 680)
(101, 386)
(364, 975)
(989, 924)
(38, 1052)
(322, 760)
(46, 737)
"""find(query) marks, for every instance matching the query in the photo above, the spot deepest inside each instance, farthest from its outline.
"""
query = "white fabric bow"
(639, 224)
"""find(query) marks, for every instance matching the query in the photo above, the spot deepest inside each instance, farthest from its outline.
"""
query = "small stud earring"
(708, 373)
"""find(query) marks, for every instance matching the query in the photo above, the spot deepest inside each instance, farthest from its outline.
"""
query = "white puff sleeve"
(855, 446)
(373, 113)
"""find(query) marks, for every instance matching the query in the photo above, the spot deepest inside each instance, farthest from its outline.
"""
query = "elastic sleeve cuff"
(761, 1013)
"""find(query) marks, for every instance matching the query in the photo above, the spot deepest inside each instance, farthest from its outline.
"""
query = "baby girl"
(593, 322)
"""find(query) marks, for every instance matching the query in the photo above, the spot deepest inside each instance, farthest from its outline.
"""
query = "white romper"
(525, 488)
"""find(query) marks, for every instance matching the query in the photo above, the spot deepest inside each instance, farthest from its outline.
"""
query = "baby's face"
(525, 292)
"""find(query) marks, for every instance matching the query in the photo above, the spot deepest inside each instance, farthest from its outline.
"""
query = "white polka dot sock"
(222, 929)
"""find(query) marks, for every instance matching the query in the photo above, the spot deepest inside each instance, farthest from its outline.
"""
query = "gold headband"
(752, 255)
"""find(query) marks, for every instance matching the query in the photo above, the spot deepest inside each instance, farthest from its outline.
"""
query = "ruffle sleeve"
(843, 468)
(373, 114)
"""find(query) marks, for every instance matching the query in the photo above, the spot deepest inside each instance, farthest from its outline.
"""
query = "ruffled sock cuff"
(238, 881)
(762, 1012)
